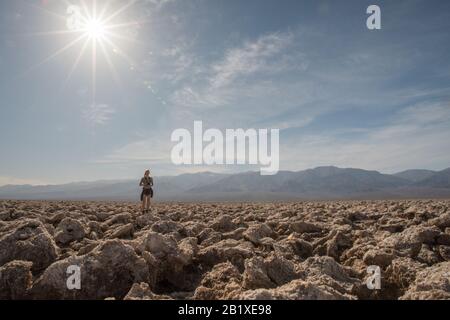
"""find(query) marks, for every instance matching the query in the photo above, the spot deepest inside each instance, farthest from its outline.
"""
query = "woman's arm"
(141, 183)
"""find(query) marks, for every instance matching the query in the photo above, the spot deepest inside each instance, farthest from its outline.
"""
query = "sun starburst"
(93, 29)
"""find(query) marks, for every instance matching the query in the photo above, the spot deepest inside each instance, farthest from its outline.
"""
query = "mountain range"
(322, 183)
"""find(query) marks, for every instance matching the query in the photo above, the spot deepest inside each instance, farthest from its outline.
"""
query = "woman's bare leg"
(149, 202)
(144, 200)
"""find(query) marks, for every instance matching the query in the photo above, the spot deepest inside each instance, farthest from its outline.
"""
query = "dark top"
(146, 182)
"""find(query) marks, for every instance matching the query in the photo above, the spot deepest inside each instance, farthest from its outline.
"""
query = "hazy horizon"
(202, 172)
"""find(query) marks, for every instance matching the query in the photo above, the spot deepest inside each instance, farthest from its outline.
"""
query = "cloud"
(426, 114)
(416, 137)
(177, 62)
(283, 80)
(158, 4)
(98, 114)
(141, 151)
(252, 57)
(193, 98)
(246, 82)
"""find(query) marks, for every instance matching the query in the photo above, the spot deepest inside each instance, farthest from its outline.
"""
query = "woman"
(147, 191)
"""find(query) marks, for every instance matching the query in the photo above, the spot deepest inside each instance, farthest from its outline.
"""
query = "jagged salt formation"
(307, 250)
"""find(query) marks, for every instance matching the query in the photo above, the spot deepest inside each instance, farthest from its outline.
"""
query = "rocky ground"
(307, 250)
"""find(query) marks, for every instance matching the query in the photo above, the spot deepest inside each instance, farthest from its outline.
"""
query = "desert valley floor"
(304, 250)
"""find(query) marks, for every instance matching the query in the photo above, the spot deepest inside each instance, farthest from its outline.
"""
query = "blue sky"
(341, 94)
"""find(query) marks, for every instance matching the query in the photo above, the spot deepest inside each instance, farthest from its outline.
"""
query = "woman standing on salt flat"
(147, 191)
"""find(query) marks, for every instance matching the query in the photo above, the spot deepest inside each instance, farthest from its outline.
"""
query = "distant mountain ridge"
(319, 183)
(439, 179)
(415, 175)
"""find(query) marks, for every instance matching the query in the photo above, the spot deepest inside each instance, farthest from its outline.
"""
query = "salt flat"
(301, 250)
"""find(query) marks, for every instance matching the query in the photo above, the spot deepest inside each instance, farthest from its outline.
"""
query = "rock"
(69, 230)
(409, 242)
(256, 232)
(222, 282)
(188, 248)
(165, 227)
(392, 225)
(444, 252)
(212, 239)
(293, 247)
(122, 218)
(145, 220)
(226, 250)
(336, 245)
(295, 290)
(443, 239)
(141, 291)
(87, 248)
(267, 244)
(57, 218)
(108, 271)
(96, 227)
(326, 271)
(171, 259)
(279, 269)
(208, 237)
(15, 280)
(122, 232)
(379, 257)
(194, 228)
(403, 271)
(11, 215)
(30, 241)
(442, 222)
(426, 255)
(304, 227)
(255, 274)
(303, 249)
(430, 283)
(102, 216)
(236, 234)
(159, 245)
(223, 223)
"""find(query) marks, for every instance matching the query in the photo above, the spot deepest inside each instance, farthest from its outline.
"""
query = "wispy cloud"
(158, 4)
(283, 80)
(416, 137)
(251, 58)
(247, 76)
(141, 151)
(98, 114)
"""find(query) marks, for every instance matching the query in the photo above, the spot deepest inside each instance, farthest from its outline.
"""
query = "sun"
(95, 29)
(89, 23)
(100, 30)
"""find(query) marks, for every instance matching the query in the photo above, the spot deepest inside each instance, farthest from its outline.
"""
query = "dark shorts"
(146, 192)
